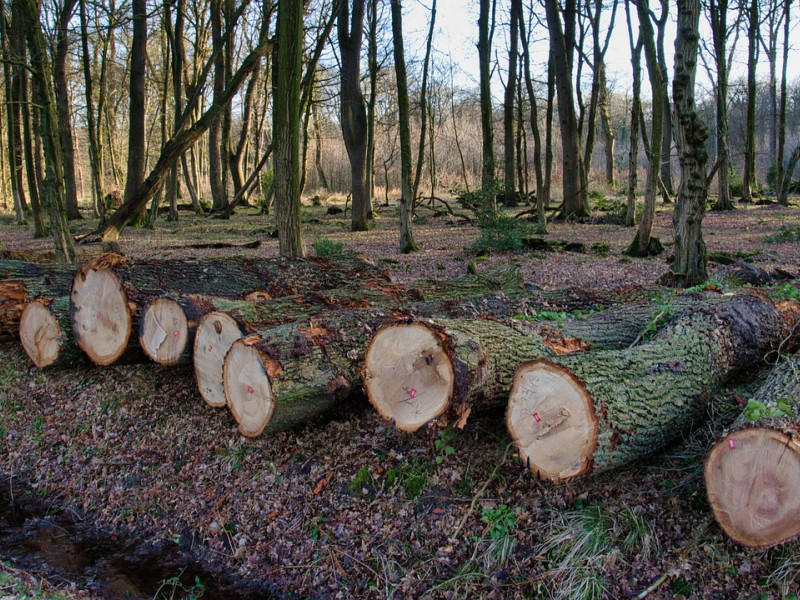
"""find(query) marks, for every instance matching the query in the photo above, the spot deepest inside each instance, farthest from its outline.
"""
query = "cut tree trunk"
(575, 415)
(218, 330)
(328, 353)
(108, 292)
(183, 314)
(752, 473)
(21, 282)
(45, 330)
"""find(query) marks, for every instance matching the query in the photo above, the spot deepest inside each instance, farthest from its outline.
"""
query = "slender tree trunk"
(510, 191)
(353, 108)
(423, 105)
(780, 174)
(44, 97)
(636, 111)
(95, 155)
(749, 189)
(537, 140)
(286, 128)
(548, 133)
(689, 264)
(407, 199)
(608, 130)
(372, 61)
(487, 125)
(13, 120)
(667, 186)
(719, 29)
(63, 105)
(575, 202)
(323, 180)
(219, 201)
(641, 244)
(136, 132)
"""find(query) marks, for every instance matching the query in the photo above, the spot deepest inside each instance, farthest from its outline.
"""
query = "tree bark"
(641, 245)
(218, 192)
(95, 147)
(510, 189)
(286, 129)
(12, 75)
(749, 186)
(534, 118)
(753, 471)
(53, 184)
(689, 264)
(780, 174)
(353, 109)
(64, 111)
(667, 186)
(407, 193)
(424, 106)
(487, 119)
(636, 110)
(137, 117)
(583, 414)
(108, 293)
(576, 203)
(719, 30)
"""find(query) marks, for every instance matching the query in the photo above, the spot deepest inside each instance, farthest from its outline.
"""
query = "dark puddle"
(57, 544)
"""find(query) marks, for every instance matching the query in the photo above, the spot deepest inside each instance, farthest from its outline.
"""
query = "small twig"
(653, 587)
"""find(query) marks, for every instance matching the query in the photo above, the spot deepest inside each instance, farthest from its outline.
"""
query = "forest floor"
(121, 482)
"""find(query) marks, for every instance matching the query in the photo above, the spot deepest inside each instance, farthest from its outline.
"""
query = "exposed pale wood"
(101, 318)
(248, 389)
(550, 414)
(216, 332)
(752, 473)
(40, 334)
(411, 377)
(164, 331)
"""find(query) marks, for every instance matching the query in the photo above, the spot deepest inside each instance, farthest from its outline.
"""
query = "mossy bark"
(645, 397)
(752, 473)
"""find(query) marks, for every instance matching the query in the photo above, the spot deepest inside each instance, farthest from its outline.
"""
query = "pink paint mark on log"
(251, 390)
(536, 417)
(732, 444)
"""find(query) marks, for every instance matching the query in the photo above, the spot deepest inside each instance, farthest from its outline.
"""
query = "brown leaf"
(322, 483)
(316, 333)
(462, 412)
(564, 345)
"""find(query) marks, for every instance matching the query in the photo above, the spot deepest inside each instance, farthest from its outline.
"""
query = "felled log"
(575, 415)
(45, 330)
(163, 317)
(108, 292)
(21, 282)
(283, 376)
(752, 473)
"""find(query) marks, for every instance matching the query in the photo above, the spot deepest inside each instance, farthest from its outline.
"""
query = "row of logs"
(279, 342)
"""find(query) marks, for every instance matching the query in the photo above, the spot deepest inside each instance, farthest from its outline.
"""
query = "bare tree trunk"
(537, 140)
(510, 192)
(218, 192)
(29, 11)
(608, 130)
(576, 202)
(95, 154)
(667, 187)
(719, 30)
(353, 109)
(689, 265)
(548, 133)
(286, 128)
(323, 180)
(487, 125)
(423, 105)
(64, 112)
(641, 245)
(136, 132)
(406, 200)
(372, 61)
(749, 175)
(13, 120)
(780, 174)
(636, 110)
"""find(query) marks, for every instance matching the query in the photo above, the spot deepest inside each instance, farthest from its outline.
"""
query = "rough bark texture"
(630, 403)
(257, 314)
(286, 128)
(21, 282)
(689, 264)
(130, 286)
(487, 123)
(752, 473)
